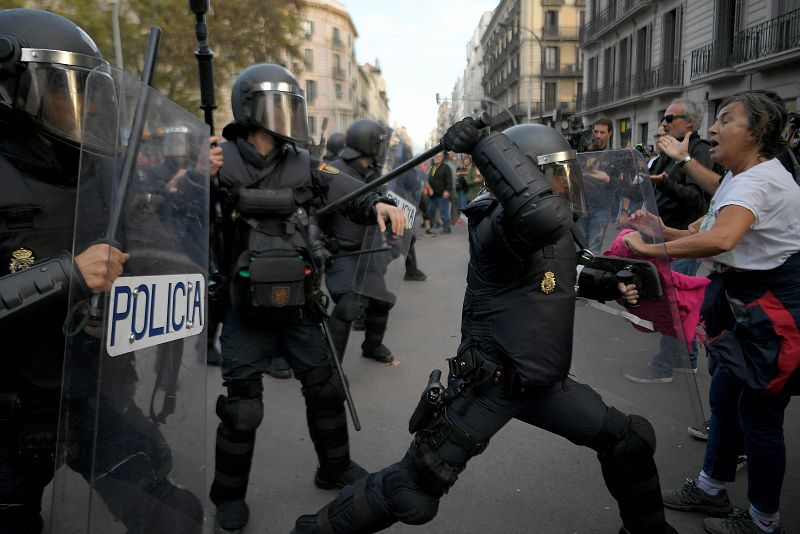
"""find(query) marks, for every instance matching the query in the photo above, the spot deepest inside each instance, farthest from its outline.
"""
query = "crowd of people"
(729, 203)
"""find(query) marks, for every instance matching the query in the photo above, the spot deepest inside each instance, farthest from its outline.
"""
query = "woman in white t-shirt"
(750, 239)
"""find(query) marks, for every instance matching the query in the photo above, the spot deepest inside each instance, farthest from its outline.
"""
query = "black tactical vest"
(523, 307)
(270, 269)
(36, 222)
(349, 235)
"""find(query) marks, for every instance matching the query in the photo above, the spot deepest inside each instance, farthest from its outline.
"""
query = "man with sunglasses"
(680, 201)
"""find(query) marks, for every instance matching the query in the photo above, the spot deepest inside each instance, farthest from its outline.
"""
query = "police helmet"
(335, 144)
(268, 97)
(367, 138)
(548, 149)
(45, 61)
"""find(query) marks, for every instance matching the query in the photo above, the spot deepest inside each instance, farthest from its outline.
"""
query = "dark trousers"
(742, 415)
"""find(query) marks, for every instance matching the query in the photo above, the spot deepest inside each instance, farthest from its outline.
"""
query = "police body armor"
(505, 297)
(270, 269)
(36, 221)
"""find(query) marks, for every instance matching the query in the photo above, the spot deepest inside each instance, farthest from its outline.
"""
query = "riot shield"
(637, 358)
(379, 249)
(131, 444)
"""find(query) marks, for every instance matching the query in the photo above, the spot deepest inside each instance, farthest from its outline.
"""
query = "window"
(337, 62)
(308, 29)
(624, 127)
(550, 95)
(643, 37)
(311, 91)
(309, 58)
(671, 32)
(551, 19)
(312, 125)
(337, 39)
(643, 133)
(339, 93)
(551, 58)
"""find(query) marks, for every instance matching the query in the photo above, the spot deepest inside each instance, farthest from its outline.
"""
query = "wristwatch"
(683, 161)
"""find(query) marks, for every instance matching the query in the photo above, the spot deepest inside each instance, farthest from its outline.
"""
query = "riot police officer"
(336, 143)
(270, 190)
(45, 61)
(515, 352)
(362, 158)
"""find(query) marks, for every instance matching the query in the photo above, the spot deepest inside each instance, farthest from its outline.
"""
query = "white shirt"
(772, 195)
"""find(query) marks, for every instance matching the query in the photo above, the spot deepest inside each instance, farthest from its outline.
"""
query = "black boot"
(373, 346)
(328, 430)
(279, 368)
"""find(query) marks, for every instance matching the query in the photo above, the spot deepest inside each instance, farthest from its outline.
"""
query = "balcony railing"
(560, 32)
(669, 74)
(759, 42)
(616, 10)
(338, 73)
(552, 2)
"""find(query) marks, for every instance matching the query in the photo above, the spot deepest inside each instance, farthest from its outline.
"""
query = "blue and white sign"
(145, 311)
(408, 208)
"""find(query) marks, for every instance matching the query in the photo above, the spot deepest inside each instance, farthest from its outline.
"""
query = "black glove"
(462, 136)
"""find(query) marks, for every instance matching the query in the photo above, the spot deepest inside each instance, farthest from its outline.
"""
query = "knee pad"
(347, 307)
(379, 307)
(243, 409)
(322, 388)
(408, 501)
(627, 439)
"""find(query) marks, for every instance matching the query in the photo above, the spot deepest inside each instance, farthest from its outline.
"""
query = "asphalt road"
(528, 481)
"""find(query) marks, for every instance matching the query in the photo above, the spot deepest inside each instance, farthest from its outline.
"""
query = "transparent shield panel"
(379, 249)
(638, 358)
(131, 446)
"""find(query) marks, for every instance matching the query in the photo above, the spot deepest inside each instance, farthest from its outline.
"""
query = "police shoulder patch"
(329, 169)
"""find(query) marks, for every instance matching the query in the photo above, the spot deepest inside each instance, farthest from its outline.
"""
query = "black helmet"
(45, 60)
(268, 97)
(551, 152)
(335, 144)
(368, 138)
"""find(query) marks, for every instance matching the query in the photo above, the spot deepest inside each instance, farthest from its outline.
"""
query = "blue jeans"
(593, 227)
(672, 349)
(443, 205)
(462, 200)
(741, 415)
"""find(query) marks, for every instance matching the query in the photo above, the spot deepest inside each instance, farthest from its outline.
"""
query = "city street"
(528, 481)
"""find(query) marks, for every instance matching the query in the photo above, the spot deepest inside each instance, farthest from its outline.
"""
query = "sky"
(421, 46)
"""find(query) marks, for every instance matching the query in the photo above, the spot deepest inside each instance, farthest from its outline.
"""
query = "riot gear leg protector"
(627, 445)
(327, 426)
(240, 415)
(342, 316)
(374, 503)
(377, 317)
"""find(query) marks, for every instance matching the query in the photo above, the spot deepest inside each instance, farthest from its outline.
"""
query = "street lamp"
(507, 24)
(484, 99)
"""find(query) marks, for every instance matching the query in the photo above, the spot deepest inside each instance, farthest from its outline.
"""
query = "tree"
(241, 33)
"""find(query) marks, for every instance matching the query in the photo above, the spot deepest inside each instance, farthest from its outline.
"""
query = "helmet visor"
(565, 179)
(53, 95)
(281, 113)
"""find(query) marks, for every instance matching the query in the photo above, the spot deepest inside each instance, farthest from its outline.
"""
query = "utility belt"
(278, 273)
(481, 372)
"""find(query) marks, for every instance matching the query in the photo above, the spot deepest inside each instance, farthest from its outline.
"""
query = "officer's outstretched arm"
(536, 215)
(24, 292)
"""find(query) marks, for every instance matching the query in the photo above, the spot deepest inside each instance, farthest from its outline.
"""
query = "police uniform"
(340, 280)
(39, 167)
(515, 352)
(274, 262)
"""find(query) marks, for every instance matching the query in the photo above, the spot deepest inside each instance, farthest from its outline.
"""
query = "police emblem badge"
(280, 296)
(21, 259)
(329, 169)
(548, 284)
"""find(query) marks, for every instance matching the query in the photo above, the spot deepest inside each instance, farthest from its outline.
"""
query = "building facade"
(532, 62)
(337, 87)
(640, 55)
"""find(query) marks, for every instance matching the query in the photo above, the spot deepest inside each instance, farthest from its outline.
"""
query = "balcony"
(337, 42)
(617, 12)
(658, 78)
(552, 2)
(760, 42)
(550, 33)
(338, 73)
